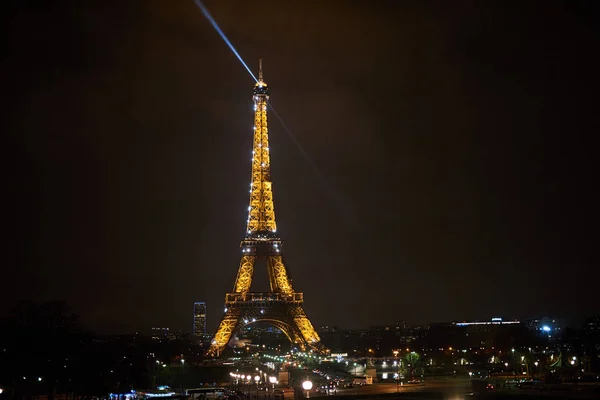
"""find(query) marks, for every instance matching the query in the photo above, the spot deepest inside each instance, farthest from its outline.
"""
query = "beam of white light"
(220, 32)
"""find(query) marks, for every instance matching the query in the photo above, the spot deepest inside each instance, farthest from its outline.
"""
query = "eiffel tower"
(282, 306)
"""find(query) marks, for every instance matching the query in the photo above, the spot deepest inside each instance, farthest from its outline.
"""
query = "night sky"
(448, 168)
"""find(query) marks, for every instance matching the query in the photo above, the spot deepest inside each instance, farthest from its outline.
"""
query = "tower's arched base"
(283, 311)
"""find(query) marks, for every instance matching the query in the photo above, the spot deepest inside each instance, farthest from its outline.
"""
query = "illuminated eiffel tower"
(282, 306)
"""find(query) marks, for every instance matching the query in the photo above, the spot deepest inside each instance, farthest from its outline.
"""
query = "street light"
(182, 373)
(397, 365)
(307, 385)
(273, 380)
(257, 379)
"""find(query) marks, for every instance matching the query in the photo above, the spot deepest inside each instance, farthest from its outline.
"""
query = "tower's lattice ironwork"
(281, 307)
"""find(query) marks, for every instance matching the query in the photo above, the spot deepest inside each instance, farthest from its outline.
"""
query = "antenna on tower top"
(260, 70)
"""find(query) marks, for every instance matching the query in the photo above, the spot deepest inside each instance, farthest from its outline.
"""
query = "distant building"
(545, 326)
(475, 334)
(494, 321)
(199, 330)
(592, 326)
(328, 329)
(401, 325)
(331, 337)
(163, 334)
(591, 332)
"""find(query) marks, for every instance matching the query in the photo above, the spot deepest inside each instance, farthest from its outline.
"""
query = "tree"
(411, 362)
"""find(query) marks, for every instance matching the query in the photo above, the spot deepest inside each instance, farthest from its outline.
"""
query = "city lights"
(463, 168)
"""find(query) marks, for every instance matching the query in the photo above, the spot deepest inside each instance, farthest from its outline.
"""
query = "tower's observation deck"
(262, 299)
(261, 88)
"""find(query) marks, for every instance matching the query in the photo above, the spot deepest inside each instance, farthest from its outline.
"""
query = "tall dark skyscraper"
(199, 319)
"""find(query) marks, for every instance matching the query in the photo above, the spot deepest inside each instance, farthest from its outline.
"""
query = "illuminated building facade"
(494, 321)
(199, 329)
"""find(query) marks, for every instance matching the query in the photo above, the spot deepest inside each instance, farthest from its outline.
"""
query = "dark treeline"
(44, 350)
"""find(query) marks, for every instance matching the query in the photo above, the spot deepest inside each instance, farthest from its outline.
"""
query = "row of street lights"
(306, 385)
(248, 378)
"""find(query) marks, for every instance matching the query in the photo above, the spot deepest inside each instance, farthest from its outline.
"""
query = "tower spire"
(261, 213)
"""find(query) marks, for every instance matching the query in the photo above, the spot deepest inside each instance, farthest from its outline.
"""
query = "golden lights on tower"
(281, 307)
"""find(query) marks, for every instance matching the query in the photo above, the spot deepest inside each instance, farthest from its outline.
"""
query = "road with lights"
(454, 387)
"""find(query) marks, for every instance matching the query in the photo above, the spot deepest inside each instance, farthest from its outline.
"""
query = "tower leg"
(305, 327)
(280, 282)
(244, 277)
(226, 328)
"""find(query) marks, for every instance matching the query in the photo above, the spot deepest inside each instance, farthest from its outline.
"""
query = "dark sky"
(453, 143)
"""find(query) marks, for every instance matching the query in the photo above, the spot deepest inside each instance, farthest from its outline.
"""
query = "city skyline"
(551, 321)
(444, 173)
